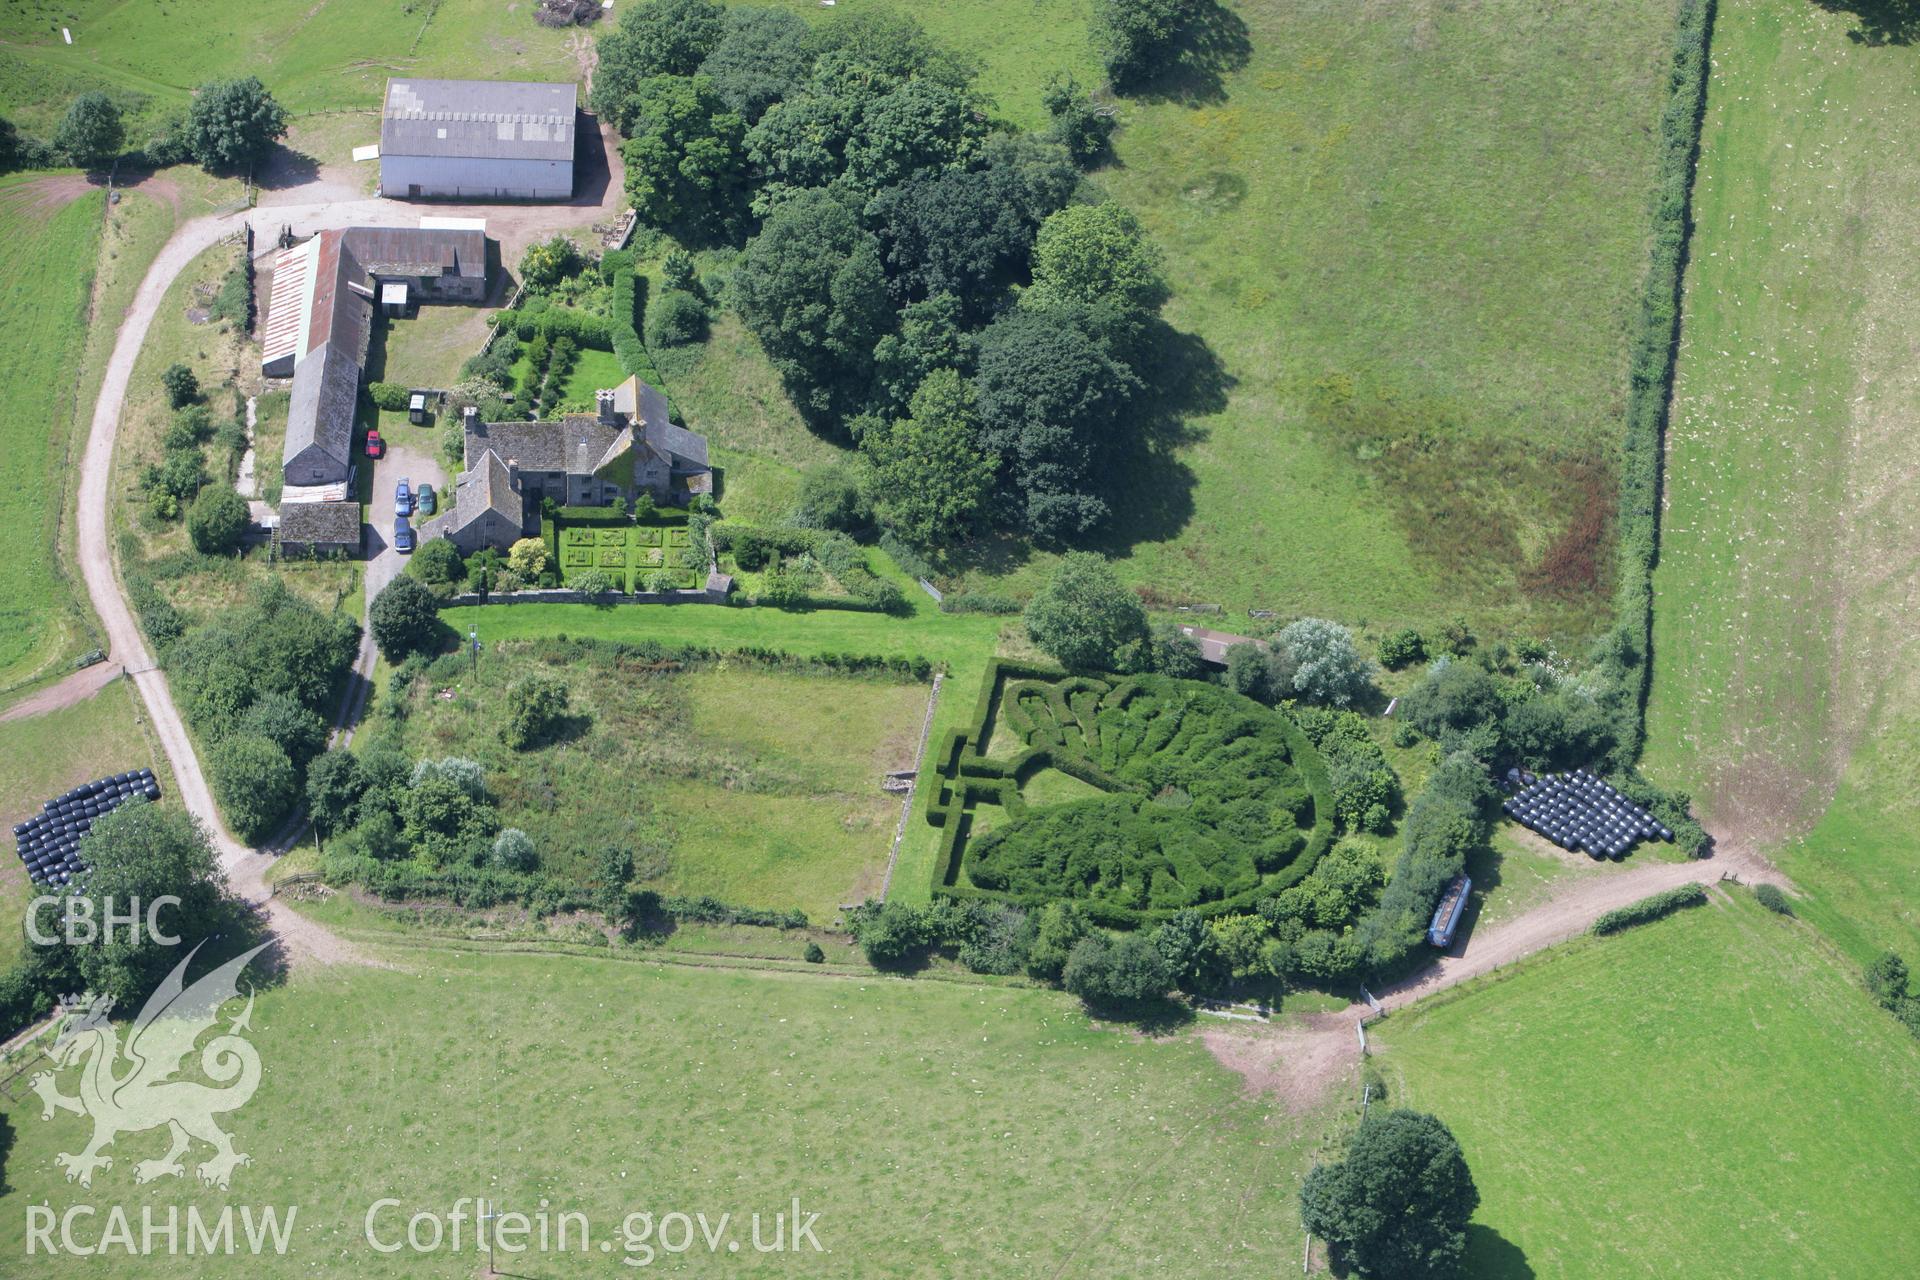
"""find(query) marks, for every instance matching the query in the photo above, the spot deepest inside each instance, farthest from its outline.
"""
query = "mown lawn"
(938, 1129)
(1783, 641)
(1711, 1095)
(49, 261)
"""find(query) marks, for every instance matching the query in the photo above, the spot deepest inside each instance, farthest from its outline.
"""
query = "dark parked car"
(402, 535)
(424, 500)
(403, 499)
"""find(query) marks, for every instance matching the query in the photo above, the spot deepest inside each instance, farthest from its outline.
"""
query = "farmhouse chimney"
(470, 417)
(603, 399)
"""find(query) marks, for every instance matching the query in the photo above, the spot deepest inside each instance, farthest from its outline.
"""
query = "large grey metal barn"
(477, 140)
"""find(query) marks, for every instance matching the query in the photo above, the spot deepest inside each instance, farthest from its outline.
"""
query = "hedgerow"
(1628, 648)
(583, 328)
(1651, 908)
(387, 395)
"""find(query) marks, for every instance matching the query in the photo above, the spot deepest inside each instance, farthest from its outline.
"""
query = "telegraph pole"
(484, 1219)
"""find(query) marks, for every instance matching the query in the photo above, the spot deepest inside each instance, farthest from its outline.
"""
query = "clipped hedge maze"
(1213, 801)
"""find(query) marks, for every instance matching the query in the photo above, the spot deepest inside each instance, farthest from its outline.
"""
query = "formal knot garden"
(1136, 797)
(654, 554)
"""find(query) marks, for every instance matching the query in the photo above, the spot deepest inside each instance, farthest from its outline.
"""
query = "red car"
(375, 445)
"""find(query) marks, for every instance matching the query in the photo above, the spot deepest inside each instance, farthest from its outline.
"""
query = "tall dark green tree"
(335, 783)
(889, 43)
(233, 124)
(405, 618)
(930, 476)
(92, 132)
(142, 852)
(932, 335)
(1139, 40)
(921, 127)
(763, 56)
(1049, 389)
(686, 166)
(654, 38)
(1083, 617)
(810, 287)
(217, 519)
(969, 232)
(1397, 1206)
(254, 781)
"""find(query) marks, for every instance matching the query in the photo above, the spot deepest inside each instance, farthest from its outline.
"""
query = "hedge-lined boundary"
(629, 322)
(967, 778)
(1651, 908)
(1654, 350)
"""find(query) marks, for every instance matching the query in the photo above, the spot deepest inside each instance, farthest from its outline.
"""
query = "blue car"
(402, 535)
(403, 499)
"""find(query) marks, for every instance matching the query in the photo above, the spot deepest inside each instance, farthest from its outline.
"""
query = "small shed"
(393, 298)
(417, 408)
(318, 528)
(1214, 644)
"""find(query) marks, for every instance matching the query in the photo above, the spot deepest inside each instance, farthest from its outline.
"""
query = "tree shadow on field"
(1151, 1018)
(285, 168)
(1491, 1256)
(1882, 22)
(1214, 44)
(1149, 488)
(6, 1149)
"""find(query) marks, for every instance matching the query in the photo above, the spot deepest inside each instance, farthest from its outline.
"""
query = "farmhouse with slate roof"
(477, 140)
(626, 448)
(320, 314)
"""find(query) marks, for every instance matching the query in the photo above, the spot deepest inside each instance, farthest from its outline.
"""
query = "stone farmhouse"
(625, 448)
(320, 315)
(477, 140)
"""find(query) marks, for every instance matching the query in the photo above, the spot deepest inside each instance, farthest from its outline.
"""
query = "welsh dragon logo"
(134, 1091)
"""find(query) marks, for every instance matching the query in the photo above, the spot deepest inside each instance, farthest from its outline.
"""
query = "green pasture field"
(1784, 676)
(1709, 1095)
(42, 756)
(759, 788)
(961, 643)
(329, 55)
(53, 245)
(936, 1128)
(1404, 243)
